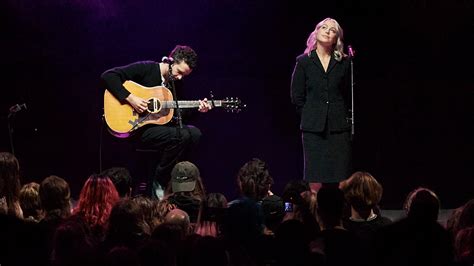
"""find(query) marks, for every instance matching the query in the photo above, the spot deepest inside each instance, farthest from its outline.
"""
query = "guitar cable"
(101, 133)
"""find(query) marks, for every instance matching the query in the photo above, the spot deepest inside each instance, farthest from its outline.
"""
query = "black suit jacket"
(321, 96)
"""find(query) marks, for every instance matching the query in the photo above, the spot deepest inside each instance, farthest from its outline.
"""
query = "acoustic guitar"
(122, 120)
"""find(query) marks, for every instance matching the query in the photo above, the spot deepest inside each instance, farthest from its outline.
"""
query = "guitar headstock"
(233, 104)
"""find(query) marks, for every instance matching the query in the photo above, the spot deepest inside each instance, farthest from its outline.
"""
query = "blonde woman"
(320, 91)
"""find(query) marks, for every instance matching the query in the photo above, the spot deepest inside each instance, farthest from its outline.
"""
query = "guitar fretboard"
(187, 104)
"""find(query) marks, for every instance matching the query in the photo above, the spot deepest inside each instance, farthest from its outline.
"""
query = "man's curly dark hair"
(184, 53)
(254, 179)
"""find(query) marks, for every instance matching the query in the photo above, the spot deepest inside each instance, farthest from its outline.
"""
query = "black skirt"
(327, 156)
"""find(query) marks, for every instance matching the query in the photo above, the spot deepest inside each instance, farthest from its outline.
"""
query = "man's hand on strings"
(204, 106)
(139, 104)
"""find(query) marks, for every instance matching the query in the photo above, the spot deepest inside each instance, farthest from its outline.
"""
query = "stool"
(144, 173)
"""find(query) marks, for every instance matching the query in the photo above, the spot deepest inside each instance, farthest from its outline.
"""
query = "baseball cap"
(183, 176)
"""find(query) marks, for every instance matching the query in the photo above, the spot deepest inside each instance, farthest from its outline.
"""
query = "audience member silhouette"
(417, 239)
(97, 197)
(55, 196)
(156, 252)
(462, 232)
(300, 204)
(209, 251)
(254, 180)
(149, 208)
(466, 216)
(179, 217)
(122, 256)
(72, 244)
(464, 246)
(186, 189)
(163, 207)
(30, 202)
(126, 227)
(273, 208)
(363, 194)
(211, 215)
(243, 223)
(121, 178)
(292, 244)
(337, 245)
(10, 185)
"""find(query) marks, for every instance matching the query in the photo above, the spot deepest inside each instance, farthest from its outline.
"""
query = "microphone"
(17, 107)
(168, 60)
(350, 51)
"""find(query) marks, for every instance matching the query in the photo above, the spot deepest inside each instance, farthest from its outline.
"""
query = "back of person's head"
(72, 244)
(310, 198)
(330, 208)
(362, 191)
(163, 207)
(242, 222)
(178, 217)
(213, 208)
(149, 208)
(121, 178)
(126, 223)
(184, 53)
(30, 201)
(273, 208)
(466, 217)
(55, 195)
(254, 179)
(97, 197)
(453, 221)
(422, 204)
(464, 246)
(216, 200)
(171, 233)
(293, 190)
(9, 180)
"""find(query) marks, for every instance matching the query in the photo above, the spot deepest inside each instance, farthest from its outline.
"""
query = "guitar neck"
(187, 104)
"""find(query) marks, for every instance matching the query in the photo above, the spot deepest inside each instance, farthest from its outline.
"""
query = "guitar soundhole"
(154, 105)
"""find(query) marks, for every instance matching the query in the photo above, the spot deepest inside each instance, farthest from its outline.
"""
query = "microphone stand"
(351, 57)
(10, 132)
(175, 97)
(12, 112)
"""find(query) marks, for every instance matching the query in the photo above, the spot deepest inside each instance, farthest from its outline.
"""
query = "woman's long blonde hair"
(338, 49)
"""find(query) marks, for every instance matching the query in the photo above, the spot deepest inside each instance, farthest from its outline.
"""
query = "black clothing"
(327, 156)
(321, 99)
(171, 143)
(187, 203)
(340, 247)
(413, 242)
(365, 232)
